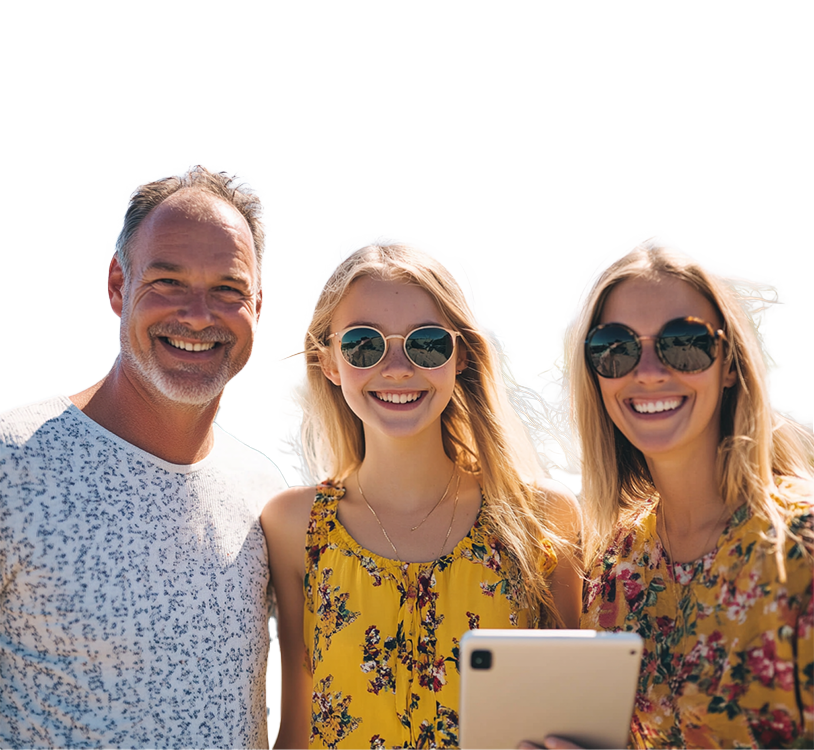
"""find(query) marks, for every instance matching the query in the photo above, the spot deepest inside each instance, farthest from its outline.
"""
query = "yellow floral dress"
(729, 650)
(382, 635)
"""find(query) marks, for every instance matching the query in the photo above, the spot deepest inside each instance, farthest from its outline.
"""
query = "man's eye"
(229, 290)
(167, 282)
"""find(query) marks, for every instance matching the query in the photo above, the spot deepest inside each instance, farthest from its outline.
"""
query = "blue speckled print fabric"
(134, 593)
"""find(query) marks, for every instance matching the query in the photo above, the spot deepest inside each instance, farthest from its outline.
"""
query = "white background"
(525, 144)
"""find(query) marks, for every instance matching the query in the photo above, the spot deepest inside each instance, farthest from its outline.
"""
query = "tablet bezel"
(576, 684)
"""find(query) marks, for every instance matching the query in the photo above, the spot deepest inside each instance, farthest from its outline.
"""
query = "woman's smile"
(399, 398)
(652, 405)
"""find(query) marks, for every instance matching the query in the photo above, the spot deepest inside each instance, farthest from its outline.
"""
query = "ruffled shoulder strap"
(323, 516)
(320, 525)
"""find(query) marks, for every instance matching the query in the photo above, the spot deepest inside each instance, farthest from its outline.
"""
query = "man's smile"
(198, 346)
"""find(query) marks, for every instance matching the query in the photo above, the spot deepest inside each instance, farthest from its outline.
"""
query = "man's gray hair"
(219, 184)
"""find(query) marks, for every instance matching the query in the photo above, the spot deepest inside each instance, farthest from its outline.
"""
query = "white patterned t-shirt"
(134, 593)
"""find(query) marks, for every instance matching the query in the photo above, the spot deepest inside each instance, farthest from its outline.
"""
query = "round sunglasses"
(684, 344)
(427, 347)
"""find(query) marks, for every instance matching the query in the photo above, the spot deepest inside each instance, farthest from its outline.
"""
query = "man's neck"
(177, 433)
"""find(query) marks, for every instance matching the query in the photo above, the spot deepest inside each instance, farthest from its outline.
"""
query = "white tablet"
(527, 684)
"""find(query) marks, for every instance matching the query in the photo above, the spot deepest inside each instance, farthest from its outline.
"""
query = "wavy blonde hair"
(756, 444)
(481, 433)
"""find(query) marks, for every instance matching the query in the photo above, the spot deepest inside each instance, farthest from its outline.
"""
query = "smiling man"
(133, 570)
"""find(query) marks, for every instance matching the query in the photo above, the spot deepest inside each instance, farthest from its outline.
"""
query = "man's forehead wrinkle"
(163, 265)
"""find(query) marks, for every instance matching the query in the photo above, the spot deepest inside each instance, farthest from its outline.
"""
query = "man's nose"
(195, 310)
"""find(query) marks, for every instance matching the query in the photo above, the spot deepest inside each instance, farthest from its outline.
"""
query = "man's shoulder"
(19, 425)
(235, 456)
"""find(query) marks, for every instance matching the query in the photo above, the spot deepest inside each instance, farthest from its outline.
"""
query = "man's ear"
(115, 286)
(329, 368)
(258, 304)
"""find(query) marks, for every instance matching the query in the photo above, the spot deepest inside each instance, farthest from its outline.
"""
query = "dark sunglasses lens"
(430, 347)
(687, 346)
(362, 347)
(613, 351)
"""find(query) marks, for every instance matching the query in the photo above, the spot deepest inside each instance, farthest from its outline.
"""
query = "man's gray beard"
(179, 390)
(194, 391)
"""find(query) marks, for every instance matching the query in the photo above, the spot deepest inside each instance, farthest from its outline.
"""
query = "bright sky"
(525, 144)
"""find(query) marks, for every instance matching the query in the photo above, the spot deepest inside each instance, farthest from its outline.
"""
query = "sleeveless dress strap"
(323, 519)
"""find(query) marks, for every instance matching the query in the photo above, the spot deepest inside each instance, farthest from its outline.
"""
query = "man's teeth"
(198, 346)
(652, 407)
(398, 398)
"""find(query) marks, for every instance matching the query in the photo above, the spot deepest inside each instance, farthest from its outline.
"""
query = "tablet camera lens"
(481, 659)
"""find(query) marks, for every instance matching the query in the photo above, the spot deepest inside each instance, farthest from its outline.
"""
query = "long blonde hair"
(481, 434)
(756, 444)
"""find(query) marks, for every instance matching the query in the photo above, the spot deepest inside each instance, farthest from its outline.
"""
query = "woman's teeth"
(198, 346)
(653, 407)
(398, 398)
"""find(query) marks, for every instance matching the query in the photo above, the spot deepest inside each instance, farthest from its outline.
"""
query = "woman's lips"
(398, 397)
(655, 405)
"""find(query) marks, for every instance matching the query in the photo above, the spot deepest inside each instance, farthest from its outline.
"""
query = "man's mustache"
(210, 335)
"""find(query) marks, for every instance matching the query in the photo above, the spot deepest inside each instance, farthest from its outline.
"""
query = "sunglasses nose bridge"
(396, 356)
(650, 362)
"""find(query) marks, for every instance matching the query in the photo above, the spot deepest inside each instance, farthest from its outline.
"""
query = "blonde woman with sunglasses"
(433, 519)
(698, 499)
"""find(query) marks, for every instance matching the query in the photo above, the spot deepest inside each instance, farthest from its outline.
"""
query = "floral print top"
(728, 648)
(382, 635)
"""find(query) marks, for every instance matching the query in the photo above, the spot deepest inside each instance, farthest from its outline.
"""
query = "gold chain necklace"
(440, 500)
(676, 584)
(384, 531)
(704, 550)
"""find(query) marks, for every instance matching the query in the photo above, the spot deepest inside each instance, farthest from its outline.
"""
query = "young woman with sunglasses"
(698, 500)
(429, 524)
